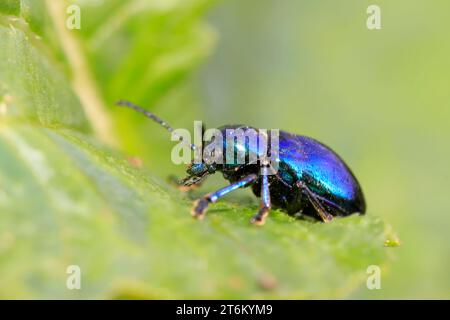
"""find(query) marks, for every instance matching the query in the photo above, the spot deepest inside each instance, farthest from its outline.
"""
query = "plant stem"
(82, 81)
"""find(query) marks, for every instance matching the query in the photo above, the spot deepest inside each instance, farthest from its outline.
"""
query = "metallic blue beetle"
(311, 178)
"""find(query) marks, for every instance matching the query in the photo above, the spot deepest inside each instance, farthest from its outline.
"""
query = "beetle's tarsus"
(180, 185)
(260, 218)
(192, 181)
(199, 208)
(327, 217)
(184, 188)
(321, 211)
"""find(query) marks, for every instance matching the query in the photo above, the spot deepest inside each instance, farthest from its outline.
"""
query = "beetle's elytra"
(311, 178)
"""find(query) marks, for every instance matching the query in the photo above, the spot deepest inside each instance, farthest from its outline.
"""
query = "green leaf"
(156, 45)
(11, 7)
(67, 199)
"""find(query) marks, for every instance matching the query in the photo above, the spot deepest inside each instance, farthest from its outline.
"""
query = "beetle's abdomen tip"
(361, 205)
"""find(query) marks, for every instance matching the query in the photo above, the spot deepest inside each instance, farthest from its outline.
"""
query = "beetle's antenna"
(148, 114)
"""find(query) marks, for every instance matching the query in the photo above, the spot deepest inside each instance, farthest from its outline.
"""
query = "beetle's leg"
(201, 204)
(188, 183)
(263, 212)
(323, 213)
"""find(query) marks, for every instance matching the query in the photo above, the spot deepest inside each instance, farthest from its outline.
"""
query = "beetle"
(311, 178)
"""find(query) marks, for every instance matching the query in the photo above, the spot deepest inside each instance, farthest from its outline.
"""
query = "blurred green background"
(379, 98)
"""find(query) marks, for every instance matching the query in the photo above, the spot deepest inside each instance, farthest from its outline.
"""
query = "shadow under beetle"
(311, 178)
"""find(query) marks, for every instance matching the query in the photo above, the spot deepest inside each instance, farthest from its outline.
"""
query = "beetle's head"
(200, 169)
